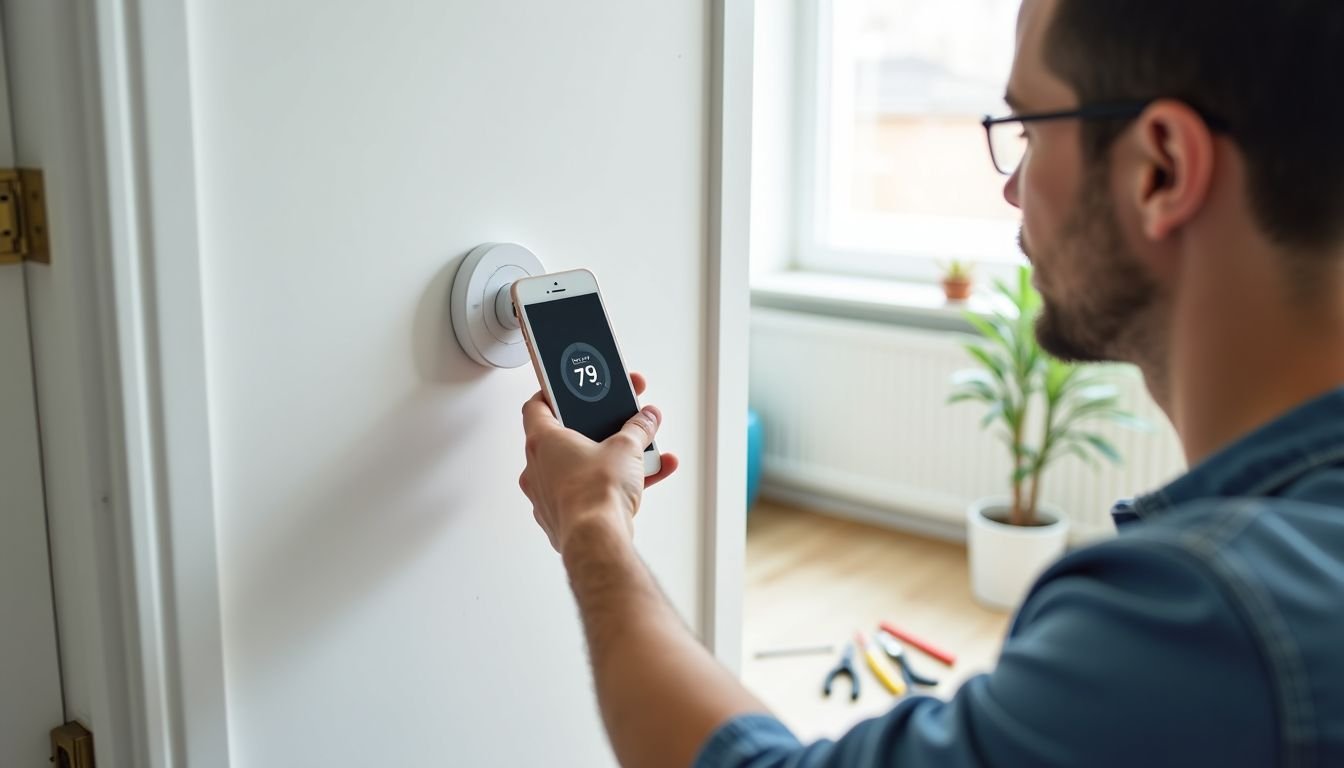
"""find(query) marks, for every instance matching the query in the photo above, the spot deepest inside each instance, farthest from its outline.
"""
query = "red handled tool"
(922, 645)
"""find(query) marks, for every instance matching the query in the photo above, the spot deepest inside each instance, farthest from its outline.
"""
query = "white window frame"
(906, 247)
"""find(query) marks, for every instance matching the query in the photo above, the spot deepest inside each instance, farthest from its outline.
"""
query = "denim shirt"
(1210, 632)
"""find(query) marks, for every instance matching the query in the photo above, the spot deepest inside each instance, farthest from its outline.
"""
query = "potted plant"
(1028, 394)
(957, 280)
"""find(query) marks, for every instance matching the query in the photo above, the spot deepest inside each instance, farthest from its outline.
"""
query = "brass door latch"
(23, 217)
(72, 746)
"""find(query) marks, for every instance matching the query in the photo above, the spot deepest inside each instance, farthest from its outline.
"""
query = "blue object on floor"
(755, 447)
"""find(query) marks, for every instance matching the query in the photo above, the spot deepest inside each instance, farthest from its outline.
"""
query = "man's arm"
(661, 693)
(1128, 653)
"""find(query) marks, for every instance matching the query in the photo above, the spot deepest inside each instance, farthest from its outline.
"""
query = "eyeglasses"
(1008, 145)
(1008, 142)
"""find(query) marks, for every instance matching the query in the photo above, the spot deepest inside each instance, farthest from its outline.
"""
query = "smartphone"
(576, 357)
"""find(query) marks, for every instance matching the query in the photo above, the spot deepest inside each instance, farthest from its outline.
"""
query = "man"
(1184, 210)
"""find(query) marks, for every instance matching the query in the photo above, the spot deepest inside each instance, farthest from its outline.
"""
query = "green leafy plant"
(1016, 376)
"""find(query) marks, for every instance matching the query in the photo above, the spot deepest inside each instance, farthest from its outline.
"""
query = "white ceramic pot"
(1007, 559)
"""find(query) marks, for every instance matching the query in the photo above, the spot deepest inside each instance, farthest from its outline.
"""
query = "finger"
(640, 384)
(639, 431)
(537, 416)
(669, 464)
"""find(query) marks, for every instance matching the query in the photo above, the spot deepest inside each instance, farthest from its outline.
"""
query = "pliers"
(844, 667)
(879, 670)
(896, 651)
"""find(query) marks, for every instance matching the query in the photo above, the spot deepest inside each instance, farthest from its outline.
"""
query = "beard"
(1104, 292)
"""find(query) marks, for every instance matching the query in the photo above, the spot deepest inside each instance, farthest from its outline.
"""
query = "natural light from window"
(904, 178)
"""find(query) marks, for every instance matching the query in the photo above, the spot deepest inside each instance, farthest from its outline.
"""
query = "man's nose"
(1010, 189)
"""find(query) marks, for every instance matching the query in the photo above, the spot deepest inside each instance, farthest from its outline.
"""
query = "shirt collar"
(1262, 463)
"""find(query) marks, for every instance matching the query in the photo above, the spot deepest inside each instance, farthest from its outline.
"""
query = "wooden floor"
(815, 580)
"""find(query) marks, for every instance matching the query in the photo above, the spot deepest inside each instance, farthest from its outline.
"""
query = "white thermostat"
(480, 306)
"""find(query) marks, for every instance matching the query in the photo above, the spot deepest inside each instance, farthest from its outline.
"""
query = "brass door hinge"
(72, 746)
(23, 217)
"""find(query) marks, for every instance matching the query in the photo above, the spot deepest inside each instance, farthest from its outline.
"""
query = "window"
(895, 171)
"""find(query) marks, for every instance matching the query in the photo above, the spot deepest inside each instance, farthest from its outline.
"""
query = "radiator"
(857, 423)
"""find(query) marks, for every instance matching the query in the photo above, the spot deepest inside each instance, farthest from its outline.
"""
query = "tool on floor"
(879, 670)
(809, 650)
(844, 667)
(916, 642)
(896, 652)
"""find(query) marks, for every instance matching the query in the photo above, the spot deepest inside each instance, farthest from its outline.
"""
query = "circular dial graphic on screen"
(585, 372)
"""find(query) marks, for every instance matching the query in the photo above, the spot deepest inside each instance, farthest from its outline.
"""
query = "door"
(30, 686)
(386, 596)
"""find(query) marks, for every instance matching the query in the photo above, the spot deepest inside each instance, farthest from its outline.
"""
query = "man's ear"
(1175, 156)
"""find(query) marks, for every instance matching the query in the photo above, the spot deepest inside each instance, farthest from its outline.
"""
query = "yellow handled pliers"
(879, 670)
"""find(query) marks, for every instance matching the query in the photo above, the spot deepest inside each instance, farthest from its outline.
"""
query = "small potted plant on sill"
(1012, 540)
(957, 280)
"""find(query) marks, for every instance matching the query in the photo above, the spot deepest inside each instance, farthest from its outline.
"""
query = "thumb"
(639, 431)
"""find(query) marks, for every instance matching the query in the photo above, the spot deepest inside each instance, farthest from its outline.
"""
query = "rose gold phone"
(575, 355)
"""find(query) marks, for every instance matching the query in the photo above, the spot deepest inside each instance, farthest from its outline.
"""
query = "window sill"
(891, 302)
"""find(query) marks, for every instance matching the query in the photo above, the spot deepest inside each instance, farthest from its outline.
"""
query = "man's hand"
(574, 483)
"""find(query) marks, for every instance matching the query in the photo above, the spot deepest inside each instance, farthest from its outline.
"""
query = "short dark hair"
(1269, 69)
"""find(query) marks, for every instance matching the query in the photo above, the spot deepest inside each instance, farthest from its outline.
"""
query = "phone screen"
(579, 357)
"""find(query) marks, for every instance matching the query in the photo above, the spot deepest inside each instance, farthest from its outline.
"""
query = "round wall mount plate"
(481, 320)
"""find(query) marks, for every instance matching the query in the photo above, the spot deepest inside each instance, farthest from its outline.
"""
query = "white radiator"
(856, 422)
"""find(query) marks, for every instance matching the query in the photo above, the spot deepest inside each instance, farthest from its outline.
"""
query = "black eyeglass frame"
(1120, 111)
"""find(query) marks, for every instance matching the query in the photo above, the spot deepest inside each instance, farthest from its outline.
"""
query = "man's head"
(1113, 209)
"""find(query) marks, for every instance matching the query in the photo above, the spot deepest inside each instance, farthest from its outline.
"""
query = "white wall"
(30, 683)
(47, 53)
(387, 598)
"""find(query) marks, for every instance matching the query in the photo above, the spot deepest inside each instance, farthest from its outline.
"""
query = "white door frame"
(728, 303)
(141, 127)
(142, 136)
